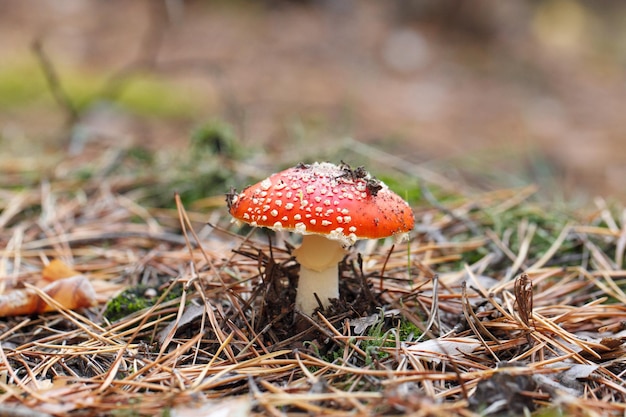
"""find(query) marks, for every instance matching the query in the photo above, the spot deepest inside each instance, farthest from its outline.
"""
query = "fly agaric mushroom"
(332, 206)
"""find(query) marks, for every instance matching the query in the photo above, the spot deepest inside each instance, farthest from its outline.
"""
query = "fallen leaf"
(612, 343)
(362, 323)
(239, 407)
(72, 293)
(191, 313)
(577, 371)
(57, 269)
(60, 397)
(435, 350)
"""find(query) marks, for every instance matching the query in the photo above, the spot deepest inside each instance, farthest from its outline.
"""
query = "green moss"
(141, 155)
(205, 170)
(150, 96)
(215, 138)
(549, 412)
(548, 225)
(407, 330)
(23, 84)
(199, 182)
(85, 173)
(134, 299)
(381, 336)
(125, 412)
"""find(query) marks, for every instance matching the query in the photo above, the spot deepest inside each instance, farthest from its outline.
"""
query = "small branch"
(54, 83)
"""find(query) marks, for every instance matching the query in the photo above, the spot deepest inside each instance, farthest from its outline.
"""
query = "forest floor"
(496, 305)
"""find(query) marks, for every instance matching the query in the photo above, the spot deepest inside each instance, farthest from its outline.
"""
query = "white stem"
(325, 284)
(319, 273)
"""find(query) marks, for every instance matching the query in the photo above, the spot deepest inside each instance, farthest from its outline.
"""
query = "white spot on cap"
(313, 221)
(297, 216)
(266, 184)
(310, 189)
(300, 227)
(289, 206)
(278, 225)
(347, 219)
(246, 216)
(326, 223)
(285, 218)
(274, 212)
(352, 229)
(337, 234)
(279, 202)
(339, 219)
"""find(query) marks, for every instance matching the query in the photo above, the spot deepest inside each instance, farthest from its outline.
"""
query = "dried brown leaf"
(57, 269)
(72, 293)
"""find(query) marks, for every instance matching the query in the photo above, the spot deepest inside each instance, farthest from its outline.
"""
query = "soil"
(517, 90)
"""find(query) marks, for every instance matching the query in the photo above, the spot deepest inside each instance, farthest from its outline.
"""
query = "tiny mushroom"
(332, 206)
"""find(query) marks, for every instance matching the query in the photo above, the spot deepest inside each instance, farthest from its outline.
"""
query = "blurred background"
(487, 92)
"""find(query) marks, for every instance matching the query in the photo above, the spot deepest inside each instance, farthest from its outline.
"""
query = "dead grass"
(505, 312)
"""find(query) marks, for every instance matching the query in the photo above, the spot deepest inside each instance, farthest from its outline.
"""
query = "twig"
(54, 83)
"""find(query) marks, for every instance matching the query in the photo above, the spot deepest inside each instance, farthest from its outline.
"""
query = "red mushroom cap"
(323, 198)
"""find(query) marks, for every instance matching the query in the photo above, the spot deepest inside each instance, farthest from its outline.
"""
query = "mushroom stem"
(319, 273)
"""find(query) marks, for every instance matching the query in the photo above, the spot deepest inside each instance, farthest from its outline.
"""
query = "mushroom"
(332, 206)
